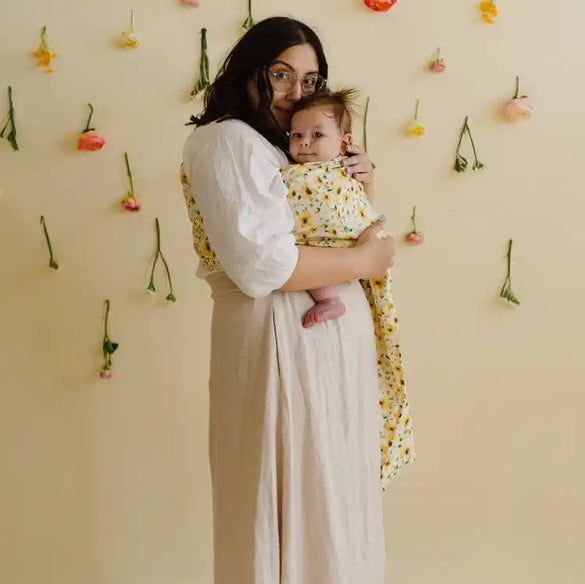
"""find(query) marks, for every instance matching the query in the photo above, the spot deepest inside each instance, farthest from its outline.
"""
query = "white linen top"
(235, 180)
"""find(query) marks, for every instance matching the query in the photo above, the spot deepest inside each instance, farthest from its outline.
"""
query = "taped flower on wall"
(203, 80)
(129, 38)
(380, 5)
(249, 22)
(130, 202)
(438, 64)
(460, 160)
(10, 123)
(414, 128)
(43, 54)
(89, 140)
(151, 288)
(414, 237)
(519, 107)
(489, 11)
(108, 347)
(506, 291)
(52, 263)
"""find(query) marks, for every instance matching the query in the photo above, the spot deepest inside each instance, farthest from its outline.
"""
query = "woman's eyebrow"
(281, 62)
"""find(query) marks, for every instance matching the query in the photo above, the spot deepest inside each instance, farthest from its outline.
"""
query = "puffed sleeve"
(235, 179)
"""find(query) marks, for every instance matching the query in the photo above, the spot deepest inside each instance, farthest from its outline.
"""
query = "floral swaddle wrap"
(331, 209)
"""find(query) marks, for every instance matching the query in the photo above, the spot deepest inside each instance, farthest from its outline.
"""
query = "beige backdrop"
(106, 482)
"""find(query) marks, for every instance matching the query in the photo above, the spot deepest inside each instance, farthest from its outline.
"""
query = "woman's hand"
(377, 253)
(360, 166)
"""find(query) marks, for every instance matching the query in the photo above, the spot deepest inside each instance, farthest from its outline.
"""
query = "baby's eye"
(295, 135)
(317, 135)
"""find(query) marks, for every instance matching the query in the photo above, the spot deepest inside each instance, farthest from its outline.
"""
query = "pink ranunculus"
(520, 108)
(90, 141)
(414, 237)
(106, 373)
(190, 2)
(131, 204)
(438, 66)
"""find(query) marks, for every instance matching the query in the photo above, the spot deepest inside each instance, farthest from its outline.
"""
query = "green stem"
(106, 338)
(131, 20)
(52, 263)
(129, 172)
(517, 87)
(203, 81)
(44, 44)
(477, 164)
(170, 296)
(416, 110)
(413, 219)
(10, 122)
(510, 260)
(365, 125)
(87, 128)
(439, 54)
(462, 133)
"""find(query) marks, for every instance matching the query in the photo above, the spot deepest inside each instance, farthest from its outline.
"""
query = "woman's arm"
(320, 266)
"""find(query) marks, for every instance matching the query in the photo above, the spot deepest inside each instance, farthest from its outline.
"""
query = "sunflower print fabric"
(331, 210)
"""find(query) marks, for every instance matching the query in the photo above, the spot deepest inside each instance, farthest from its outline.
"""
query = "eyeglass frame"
(297, 78)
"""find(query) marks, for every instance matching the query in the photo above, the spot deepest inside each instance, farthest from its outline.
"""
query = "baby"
(331, 209)
(321, 132)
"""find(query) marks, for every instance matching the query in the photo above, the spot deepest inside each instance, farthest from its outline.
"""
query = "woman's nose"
(295, 93)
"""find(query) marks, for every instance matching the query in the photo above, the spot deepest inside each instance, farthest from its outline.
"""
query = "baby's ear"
(346, 140)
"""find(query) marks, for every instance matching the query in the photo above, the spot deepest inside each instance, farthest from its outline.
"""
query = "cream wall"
(106, 482)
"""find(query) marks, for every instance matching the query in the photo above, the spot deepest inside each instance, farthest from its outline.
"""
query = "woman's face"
(299, 61)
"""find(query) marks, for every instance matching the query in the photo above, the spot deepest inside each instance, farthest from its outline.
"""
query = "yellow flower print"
(305, 219)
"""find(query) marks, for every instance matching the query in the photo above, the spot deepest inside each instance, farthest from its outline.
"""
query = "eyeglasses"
(284, 81)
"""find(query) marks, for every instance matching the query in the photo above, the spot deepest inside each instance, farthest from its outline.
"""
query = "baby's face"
(315, 136)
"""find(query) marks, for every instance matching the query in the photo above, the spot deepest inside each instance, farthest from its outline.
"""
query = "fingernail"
(382, 218)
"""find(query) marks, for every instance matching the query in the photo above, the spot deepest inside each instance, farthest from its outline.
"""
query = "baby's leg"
(328, 306)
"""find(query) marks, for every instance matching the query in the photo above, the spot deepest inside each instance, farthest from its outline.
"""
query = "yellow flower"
(43, 55)
(129, 39)
(414, 128)
(489, 11)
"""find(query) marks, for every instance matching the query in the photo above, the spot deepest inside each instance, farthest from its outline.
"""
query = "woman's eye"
(309, 82)
(281, 75)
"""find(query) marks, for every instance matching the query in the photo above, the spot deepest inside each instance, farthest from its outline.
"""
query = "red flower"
(380, 5)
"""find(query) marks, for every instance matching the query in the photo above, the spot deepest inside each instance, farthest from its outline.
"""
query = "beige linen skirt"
(294, 441)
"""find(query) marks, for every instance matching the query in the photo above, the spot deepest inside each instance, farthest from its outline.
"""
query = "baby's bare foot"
(324, 310)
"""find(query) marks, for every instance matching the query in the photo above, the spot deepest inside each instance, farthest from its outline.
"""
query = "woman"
(294, 417)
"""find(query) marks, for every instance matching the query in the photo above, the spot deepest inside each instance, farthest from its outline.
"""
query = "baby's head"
(320, 128)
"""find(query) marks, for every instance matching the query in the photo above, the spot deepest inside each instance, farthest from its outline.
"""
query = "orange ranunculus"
(380, 5)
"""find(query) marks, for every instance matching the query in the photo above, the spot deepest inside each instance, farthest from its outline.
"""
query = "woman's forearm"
(324, 266)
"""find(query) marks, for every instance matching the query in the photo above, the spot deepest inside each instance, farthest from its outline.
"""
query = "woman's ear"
(346, 140)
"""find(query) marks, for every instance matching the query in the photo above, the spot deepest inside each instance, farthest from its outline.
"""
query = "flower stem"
(477, 165)
(52, 263)
(413, 219)
(44, 43)
(106, 320)
(87, 128)
(203, 81)
(416, 110)
(249, 22)
(517, 88)
(131, 20)
(129, 172)
(438, 54)
(10, 122)
(366, 125)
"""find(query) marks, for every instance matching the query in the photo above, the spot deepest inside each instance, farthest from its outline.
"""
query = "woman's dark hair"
(228, 95)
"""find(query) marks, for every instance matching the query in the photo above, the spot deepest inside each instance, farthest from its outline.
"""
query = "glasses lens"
(283, 82)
